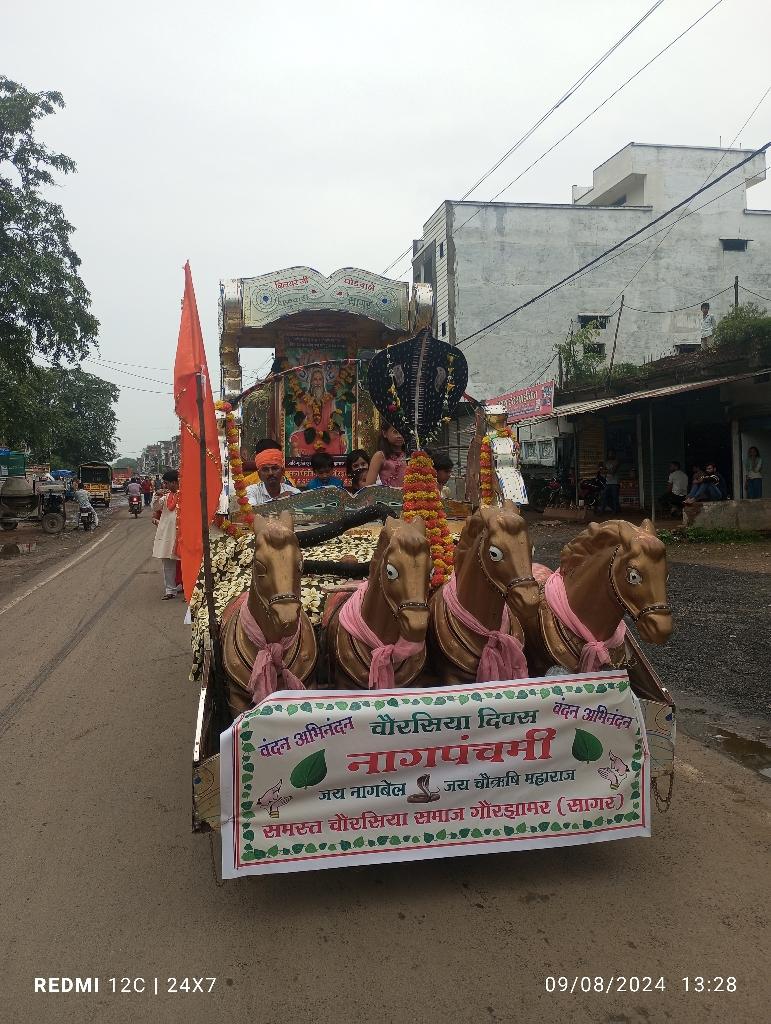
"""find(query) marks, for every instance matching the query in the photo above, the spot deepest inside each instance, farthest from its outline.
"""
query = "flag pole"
(220, 718)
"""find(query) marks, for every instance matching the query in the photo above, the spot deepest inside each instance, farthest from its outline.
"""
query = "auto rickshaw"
(96, 478)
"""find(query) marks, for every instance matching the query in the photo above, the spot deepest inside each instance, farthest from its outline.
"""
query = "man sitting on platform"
(270, 468)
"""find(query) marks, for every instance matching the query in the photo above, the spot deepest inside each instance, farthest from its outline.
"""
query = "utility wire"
(592, 264)
(679, 309)
(756, 294)
(483, 205)
(128, 373)
(683, 214)
(563, 99)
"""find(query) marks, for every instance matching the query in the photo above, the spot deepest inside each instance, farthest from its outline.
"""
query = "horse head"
(638, 578)
(504, 553)
(400, 571)
(274, 594)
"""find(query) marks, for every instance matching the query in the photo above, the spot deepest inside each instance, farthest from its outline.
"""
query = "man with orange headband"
(270, 469)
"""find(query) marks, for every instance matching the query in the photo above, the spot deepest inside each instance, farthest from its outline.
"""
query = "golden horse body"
(493, 571)
(395, 607)
(610, 569)
(273, 599)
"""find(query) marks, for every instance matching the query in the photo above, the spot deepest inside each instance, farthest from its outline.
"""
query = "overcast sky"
(248, 136)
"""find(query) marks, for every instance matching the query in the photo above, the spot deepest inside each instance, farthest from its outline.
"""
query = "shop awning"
(598, 404)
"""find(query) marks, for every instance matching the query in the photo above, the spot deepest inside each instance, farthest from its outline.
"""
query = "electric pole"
(736, 293)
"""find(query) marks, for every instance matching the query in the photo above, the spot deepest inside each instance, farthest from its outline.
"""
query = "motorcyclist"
(134, 487)
(82, 497)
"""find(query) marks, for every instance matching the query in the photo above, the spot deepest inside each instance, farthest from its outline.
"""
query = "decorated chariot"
(391, 692)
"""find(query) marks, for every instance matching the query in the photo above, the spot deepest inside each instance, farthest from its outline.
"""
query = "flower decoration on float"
(232, 438)
(421, 498)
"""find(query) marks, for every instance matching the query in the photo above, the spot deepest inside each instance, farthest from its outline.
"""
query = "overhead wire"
(128, 373)
(485, 204)
(544, 117)
(683, 214)
(757, 295)
(679, 309)
(594, 264)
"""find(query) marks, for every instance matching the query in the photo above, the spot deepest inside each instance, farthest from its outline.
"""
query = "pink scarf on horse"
(384, 656)
(595, 653)
(502, 657)
(269, 673)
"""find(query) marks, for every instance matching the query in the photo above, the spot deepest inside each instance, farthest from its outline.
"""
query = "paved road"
(101, 876)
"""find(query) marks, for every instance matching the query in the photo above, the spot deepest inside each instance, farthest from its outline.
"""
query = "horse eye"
(496, 554)
(392, 572)
(634, 576)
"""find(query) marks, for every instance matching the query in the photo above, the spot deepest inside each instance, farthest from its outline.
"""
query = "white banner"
(331, 778)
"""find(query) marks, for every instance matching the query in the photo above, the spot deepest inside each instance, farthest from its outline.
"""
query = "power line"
(575, 127)
(139, 366)
(128, 373)
(679, 309)
(756, 294)
(146, 391)
(592, 264)
(563, 99)
(682, 216)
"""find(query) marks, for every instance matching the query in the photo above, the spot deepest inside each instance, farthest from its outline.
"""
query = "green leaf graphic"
(272, 852)
(521, 694)
(394, 840)
(556, 827)
(463, 698)
(358, 842)
(631, 816)
(522, 827)
(379, 704)
(586, 747)
(442, 834)
(310, 771)
(589, 687)
(545, 693)
(248, 747)
(292, 710)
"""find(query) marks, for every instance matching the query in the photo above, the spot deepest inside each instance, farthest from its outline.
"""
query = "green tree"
(747, 326)
(124, 462)
(581, 362)
(64, 416)
(44, 304)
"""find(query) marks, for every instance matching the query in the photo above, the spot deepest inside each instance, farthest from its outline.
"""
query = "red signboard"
(537, 400)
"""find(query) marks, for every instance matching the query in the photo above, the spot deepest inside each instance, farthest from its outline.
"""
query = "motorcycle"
(86, 518)
(135, 504)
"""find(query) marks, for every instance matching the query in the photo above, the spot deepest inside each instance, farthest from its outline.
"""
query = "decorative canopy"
(415, 383)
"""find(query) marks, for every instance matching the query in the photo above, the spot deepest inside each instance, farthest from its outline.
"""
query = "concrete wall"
(499, 255)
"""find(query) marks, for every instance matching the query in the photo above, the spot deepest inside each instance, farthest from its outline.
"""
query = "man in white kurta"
(165, 545)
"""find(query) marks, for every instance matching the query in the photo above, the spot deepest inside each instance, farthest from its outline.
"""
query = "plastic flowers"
(421, 498)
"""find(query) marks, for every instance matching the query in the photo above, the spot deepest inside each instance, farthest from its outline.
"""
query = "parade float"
(390, 693)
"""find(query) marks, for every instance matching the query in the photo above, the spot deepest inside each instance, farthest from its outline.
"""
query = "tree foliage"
(63, 416)
(581, 362)
(124, 462)
(747, 326)
(44, 304)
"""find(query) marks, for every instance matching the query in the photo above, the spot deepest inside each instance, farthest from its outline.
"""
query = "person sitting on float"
(323, 466)
(356, 466)
(272, 485)
(263, 445)
(389, 463)
(444, 466)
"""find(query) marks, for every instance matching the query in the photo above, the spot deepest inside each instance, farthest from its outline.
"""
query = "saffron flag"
(191, 361)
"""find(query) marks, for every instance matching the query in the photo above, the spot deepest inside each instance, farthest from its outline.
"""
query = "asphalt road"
(102, 877)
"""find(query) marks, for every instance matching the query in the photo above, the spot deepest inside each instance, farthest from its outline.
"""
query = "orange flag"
(190, 361)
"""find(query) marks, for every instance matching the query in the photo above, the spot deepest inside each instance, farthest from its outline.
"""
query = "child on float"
(323, 466)
(356, 466)
(389, 463)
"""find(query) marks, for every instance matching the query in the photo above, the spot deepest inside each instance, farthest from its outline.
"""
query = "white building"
(484, 259)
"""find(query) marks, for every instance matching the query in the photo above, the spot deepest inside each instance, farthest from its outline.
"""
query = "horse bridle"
(635, 616)
(518, 581)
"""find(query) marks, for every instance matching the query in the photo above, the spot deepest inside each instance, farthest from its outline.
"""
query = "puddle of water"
(752, 754)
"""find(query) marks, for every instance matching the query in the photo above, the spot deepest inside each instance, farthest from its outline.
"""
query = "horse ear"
(647, 527)
(510, 506)
(287, 519)
(420, 524)
(260, 522)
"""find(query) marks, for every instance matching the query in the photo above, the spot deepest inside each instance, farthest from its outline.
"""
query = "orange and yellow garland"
(421, 498)
(237, 472)
(486, 488)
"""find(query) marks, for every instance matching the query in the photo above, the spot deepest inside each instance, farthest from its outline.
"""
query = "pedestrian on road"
(753, 473)
(165, 545)
(147, 491)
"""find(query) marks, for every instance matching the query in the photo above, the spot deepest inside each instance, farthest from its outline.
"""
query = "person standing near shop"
(609, 499)
(753, 473)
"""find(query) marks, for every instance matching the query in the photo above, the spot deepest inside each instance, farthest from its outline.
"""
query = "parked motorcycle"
(135, 504)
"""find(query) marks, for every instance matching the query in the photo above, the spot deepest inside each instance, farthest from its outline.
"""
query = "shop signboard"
(537, 400)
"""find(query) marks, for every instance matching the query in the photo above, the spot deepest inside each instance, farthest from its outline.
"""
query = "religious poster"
(314, 780)
(319, 400)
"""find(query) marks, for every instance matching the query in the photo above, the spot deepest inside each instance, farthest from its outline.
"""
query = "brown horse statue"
(609, 570)
(375, 636)
(493, 572)
(280, 653)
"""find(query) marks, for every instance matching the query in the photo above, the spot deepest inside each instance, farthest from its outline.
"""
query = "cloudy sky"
(248, 136)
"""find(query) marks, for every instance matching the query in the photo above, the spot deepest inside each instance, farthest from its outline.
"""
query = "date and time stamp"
(554, 984)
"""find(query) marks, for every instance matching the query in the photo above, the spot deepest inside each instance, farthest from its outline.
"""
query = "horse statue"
(609, 570)
(268, 641)
(376, 634)
(475, 629)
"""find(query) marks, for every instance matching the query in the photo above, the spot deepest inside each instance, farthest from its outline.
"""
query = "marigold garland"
(421, 498)
(233, 440)
(486, 489)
